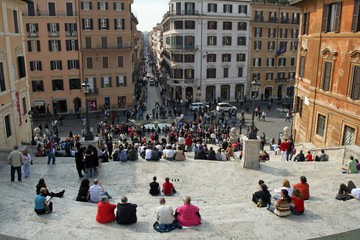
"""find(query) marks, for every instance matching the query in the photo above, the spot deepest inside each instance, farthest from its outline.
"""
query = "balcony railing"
(71, 34)
(182, 13)
(181, 81)
(113, 46)
(33, 34)
(273, 20)
(181, 47)
(259, 19)
(93, 91)
(280, 80)
(46, 14)
(53, 34)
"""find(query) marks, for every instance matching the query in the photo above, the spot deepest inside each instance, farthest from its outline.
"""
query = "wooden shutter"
(123, 24)
(260, 32)
(102, 82)
(59, 45)
(48, 27)
(122, 6)
(114, 5)
(27, 28)
(69, 67)
(82, 5)
(76, 45)
(91, 24)
(38, 45)
(50, 46)
(107, 24)
(29, 46)
(31, 66)
(83, 24)
(90, 5)
(110, 82)
(37, 27)
(107, 6)
(209, 7)
(67, 44)
(355, 20)
(99, 22)
(115, 25)
(325, 21)
(57, 27)
(40, 66)
(215, 7)
(60, 65)
(66, 27)
(337, 17)
(98, 4)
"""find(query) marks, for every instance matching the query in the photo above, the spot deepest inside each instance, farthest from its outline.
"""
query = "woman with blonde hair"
(297, 207)
(286, 186)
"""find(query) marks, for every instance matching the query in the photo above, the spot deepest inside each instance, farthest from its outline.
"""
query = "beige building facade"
(273, 48)
(15, 122)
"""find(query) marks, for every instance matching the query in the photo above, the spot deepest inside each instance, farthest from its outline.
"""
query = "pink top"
(187, 215)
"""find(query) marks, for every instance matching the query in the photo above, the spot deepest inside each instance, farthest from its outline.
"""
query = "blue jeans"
(292, 208)
(92, 172)
(27, 170)
(289, 153)
(271, 208)
(276, 197)
(51, 155)
(105, 193)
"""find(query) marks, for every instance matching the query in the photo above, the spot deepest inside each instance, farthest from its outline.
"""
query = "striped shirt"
(282, 207)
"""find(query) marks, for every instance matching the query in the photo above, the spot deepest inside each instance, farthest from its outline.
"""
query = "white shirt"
(148, 154)
(27, 160)
(356, 192)
(169, 153)
(181, 140)
(95, 193)
(290, 190)
(164, 214)
(223, 156)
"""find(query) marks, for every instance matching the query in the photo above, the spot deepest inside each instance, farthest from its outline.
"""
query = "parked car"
(148, 75)
(225, 107)
(196, 106)
(152, 82)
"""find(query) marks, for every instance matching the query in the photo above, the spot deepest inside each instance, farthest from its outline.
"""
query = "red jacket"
(284, 146)
(188, 141)
(105, 212)
(168, 186)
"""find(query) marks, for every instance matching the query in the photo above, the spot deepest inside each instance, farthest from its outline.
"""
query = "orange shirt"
(309, 157)
(304, 189)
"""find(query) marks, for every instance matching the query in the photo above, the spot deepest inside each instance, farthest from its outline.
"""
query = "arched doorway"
(268, 92)
(178, 92)
(210, 93)
(77, 104)
(239, 91)
(225, 92)
(189, 93)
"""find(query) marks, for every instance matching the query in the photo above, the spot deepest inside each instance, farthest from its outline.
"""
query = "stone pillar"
(250, 158)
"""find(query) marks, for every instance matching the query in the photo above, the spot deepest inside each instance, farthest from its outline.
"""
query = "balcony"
(182, 13)
(182, 48)
(273, 20)
(33, 34)
(280, 80)
(284, 20)
(259, 19)
(182, 81)
(39, 13)
(71, 34)
(53, 34)
(113, 46)
(93, 91)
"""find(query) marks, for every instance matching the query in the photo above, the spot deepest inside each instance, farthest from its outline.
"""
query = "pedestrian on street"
(287, 119)
(16, 160)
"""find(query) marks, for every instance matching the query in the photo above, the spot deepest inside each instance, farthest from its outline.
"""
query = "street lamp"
(254, 87)
(88, 134)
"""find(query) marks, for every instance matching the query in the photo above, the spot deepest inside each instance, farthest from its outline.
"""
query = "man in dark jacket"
(211, 154)
(155, 154)
(126, 212)
(200, 153)
(132, 154)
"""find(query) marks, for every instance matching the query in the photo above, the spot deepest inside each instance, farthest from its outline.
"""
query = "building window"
(212, 25)
(212, 7)
(178, 73)
(302, 67)
(257, 45)
(73, 64)
(7, 126)
(284, 17)
(119, 41)
(271, 62)
(227, 8)
(103, 6)
(88, 42)
(259, 16)
(355, 83)
(282, 62)
(295, 18)
(177, 57)
(103, 24)
(189, 8)
(106, 82)
(281, 76)
(320, 129)
(69, 9)
(87, 24)
(271, 45)
(240, 57)
(211, 41)
(331, 17)
(54, 45)
(240, 71)
(189, 73)
(189, 58)
(121, 81)
(70, 29)
(293, 46)
(226, 57)
(257, 62)
(53, 29)
(355, 26)
(31, 9)
(211, 57)
(119, 23)
(242, 25)
(74, 83)
(120, 61)
(291, 75)
(52, 10)
(349, 135)
(283, 33)
(189, 24)
(105, 62)
(256, 76)
(2, 78)
(122, 103)
(327, 69)
(37, 86)
(72, 45)
(292, 61)
(178, 24)
(243, 9)
(57, 84)
(227, 25)
(89, 63)
(241, 41)
(226, 72)
(294, 33)
(118, 6)
(257, 32)
(272, 16)
(226, 41)
(104, 42)
(32, 29)
(272, 33)
(86, 5)
(33, 46)
(21, 66)
(211, 73)
(35, 66)
(305, 24)
(269, 76)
